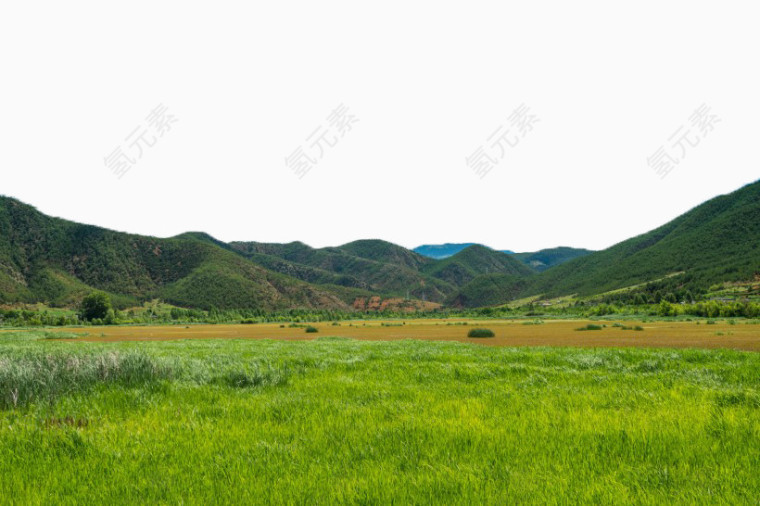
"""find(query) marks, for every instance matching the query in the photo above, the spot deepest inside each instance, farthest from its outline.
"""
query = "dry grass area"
(661, 334)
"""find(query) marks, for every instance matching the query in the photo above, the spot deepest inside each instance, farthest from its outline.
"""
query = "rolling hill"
(547, 258)
(375, 266)
(462, 267)
(44, 259)
(718, 241)
(440, 251)
(538, 260)
(57, 261)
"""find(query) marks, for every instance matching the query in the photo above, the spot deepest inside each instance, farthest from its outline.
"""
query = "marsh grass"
(35, 376)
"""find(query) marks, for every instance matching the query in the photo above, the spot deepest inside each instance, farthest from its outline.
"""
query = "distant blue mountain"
(439, 251)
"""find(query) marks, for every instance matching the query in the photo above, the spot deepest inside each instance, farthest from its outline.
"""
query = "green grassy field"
(342, 421)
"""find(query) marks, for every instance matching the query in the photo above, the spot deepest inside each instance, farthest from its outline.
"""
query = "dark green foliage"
(95, 306)
(590, 326)
(489, 289)
(311, 330)
(480, 333)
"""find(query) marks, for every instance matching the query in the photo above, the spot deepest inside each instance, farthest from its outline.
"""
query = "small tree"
(96, 305)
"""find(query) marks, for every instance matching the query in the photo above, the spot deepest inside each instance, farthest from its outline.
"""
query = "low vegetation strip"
(336, 420)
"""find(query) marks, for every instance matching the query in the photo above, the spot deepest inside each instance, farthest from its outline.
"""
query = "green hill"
(462, 267)
(551, 257)
(382, 267)
(386, 252)
(57, 261)
(44, 259)
(390, 271)
(718, 241)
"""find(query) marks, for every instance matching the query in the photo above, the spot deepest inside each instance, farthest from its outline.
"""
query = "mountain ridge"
(53, 260)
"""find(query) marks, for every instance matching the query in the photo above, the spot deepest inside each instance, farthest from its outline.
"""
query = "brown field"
(664, 334)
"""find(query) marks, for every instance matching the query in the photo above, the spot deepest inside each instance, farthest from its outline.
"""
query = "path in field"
(741, 336)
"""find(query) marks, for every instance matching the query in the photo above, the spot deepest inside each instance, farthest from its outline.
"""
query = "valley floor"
(334, 420)
(699, 333)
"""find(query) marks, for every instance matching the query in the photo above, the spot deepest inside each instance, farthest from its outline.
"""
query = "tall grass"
(36, 376)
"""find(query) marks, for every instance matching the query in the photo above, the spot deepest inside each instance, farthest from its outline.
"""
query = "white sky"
(428, 82)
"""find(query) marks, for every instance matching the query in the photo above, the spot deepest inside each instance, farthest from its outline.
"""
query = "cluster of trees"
(710, 309)
(97, 309)
(26, 318)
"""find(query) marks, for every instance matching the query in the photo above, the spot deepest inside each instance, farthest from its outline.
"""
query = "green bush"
(480, 333)
(96, 306)
(311, 330)
(590, 326)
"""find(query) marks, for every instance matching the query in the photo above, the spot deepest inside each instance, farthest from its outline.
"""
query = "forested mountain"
(44, 259)
(715, 242)
(57, 261)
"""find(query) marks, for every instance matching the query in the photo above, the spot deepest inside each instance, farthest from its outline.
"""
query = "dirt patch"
(507, 333)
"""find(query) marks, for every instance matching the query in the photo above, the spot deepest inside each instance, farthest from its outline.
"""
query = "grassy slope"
(335, 421)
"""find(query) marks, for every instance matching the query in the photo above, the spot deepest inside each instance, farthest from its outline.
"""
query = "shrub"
(590, 326)
(95, 306)
(480, 333)
(638, 327)
(311, 330)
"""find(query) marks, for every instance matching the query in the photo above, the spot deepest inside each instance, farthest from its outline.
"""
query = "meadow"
(339, 420)
(741, 334)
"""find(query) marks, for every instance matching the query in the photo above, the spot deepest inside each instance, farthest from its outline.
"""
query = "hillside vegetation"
(716, 242)
(57, 261)
(50, 260)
